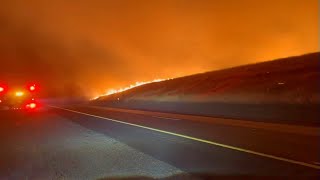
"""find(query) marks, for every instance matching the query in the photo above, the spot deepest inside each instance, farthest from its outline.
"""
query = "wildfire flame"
(114, 91)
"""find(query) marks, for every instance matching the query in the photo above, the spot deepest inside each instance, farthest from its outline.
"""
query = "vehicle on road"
(18, 97)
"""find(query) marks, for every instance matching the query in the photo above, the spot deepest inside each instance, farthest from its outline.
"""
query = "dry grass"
(290, 80)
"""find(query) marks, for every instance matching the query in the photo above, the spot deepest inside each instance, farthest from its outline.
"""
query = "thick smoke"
(81, 48)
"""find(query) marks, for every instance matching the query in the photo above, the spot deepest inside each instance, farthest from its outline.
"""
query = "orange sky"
(101, 44)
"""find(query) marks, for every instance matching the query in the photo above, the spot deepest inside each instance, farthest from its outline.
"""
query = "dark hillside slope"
(285, 90)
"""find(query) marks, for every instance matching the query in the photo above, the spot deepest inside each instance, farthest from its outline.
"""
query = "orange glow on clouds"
(113, 43)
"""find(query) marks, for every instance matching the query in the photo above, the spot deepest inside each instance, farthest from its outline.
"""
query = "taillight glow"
(31, 106)
(32, 88)
(3, 88)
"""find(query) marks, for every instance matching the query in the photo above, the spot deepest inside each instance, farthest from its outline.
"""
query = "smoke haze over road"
(86, 47)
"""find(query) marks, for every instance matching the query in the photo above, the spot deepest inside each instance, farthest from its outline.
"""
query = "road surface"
(82, 142)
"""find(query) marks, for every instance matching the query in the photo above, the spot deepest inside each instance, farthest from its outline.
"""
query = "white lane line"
(175, 119)
(199, 140)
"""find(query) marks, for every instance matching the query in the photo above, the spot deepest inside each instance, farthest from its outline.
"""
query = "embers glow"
(114, 91)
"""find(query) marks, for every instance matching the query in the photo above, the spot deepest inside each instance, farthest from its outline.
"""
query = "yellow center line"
(199, 140)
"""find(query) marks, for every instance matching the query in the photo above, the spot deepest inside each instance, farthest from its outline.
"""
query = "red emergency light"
(32, 87)
(3, 88)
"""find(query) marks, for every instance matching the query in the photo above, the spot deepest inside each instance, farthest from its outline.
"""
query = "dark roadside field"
(282, 91)
(297, 114)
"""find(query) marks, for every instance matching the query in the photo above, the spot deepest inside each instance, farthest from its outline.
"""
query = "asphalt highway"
(86, 142)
